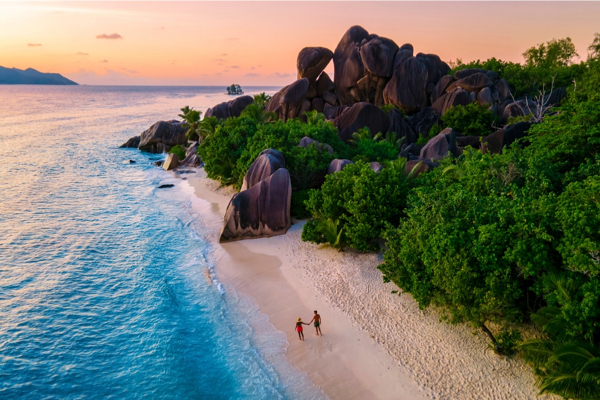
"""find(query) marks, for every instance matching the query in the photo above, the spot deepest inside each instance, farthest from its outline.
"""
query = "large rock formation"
(288, 101)
(133, 142)
(456, 97)
(267, 162)
(424, 120)
(358, 116)
(260, 211)
(307, 142)
(438, 147)
(231, 108)
(408, 87)
(171, 162)
(161, 136)
(348, 65)
(312, 61)
(502, 138)
(399, 125)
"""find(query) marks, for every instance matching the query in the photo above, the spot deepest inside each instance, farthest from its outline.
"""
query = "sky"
(256, 43)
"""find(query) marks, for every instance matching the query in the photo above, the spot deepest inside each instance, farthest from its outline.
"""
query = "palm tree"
(390, 137)
(262, 99)
(333, 232)
(191, 120)
(258, 114)
(314, 117)
(361, 134)
(208, 126)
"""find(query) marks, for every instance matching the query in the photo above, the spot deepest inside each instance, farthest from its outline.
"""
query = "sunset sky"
(252, 43)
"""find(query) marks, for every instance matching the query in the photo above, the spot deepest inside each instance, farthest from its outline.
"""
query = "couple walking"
(317, 321)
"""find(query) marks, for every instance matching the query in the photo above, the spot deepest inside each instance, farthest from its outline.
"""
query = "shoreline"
(376, 345)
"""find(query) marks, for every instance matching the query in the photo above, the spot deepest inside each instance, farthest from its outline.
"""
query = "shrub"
(298, 208)
(470, 120)
(363, 201)
(179, 150)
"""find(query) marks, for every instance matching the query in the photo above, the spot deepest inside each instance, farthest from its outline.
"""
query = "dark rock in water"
(400, 126)
(260, 211)
(424, 120)
(440, 88)
(129, 162)
(324, 84)
(472, 83)
(378, 56)
(503, 89)
(438, 147)
(484, 97)
(161, 136)
(171, 162)
(166, 185)
(348, 65)
(231, 108)
(502, 138)
(158, 163)
(133, 142)
(187, 171)
(375, 166)
(407, 88)
(312, 61)
(307, 142)
(454, 98)
(287, 102)
(337, 165)
(358, 116)
(267, 162)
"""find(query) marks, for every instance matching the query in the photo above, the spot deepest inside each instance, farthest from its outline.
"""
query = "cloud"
(252, 68)
(223, 54)
(161, 28)
(111, 36)
(220, 60)
(277, 74)
(103, 61)
(251, 75)
(226, 70)
(234, 66)
(232, 39)
(34, 44)
(82, 54)
(259, 65)
(130, 71)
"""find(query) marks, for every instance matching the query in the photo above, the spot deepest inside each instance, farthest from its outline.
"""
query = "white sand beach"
(375, 344)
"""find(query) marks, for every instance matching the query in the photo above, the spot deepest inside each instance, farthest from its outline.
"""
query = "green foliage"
(258, 114)
(262, 99)
(314, 117)
(298, 208)
(555, 53)
(191, 120)
(179, 150)
(371, 150)
(391, 138)
(506, 342)
(470, 120)
(386, 108)
(324, 231)
(221, 150)
(362, 200)
(208, 126)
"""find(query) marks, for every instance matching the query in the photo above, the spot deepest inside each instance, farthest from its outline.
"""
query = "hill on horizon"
(30, 76)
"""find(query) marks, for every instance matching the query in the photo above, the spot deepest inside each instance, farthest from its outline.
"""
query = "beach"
(375, 344)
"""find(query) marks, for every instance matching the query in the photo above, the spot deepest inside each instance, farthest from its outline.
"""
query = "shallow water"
(103, 284)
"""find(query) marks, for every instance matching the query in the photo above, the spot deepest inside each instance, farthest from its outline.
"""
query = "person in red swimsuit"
(299, 329)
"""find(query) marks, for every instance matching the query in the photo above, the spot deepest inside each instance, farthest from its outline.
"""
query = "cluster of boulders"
(231, 108)
(262, 208)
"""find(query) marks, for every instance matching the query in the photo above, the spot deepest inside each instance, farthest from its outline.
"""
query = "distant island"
(30, 76)
(234, 90)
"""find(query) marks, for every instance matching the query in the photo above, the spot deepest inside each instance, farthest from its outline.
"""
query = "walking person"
(317, 320)
(299, 329)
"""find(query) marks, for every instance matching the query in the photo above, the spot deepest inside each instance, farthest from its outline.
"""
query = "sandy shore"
(375, 344)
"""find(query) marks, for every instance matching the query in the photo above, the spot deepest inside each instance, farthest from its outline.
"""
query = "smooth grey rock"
(307, 142)
(161, 136)
(503, 89)
(171, 162)
(378, 56)
(358, 116)
(484, 97)
(166, 185)
(375, 166)
(318, 104)
(260, 211)
(400, 125)
(424, 120)
(456, 97)
(312, 61)
(348, 65)
(438, 147)
(497, 141)
(337, 165)
(133, 142)
(265, 165)
(231, 108)
(407, 88)
(330, 98)
(287, 102)
(324, 84)
(472, 83)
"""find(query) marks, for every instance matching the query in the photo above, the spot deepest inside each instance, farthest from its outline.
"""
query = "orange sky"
(256, 43)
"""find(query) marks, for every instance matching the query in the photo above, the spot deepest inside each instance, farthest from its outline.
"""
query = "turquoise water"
(103, 290)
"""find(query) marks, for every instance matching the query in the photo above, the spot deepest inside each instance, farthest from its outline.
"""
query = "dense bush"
(362, 200)
(469, 120)
(179, 150)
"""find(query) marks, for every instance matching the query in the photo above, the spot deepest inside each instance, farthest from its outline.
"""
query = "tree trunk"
(487, 332)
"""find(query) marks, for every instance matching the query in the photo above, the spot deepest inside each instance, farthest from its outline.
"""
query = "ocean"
(103, 285)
